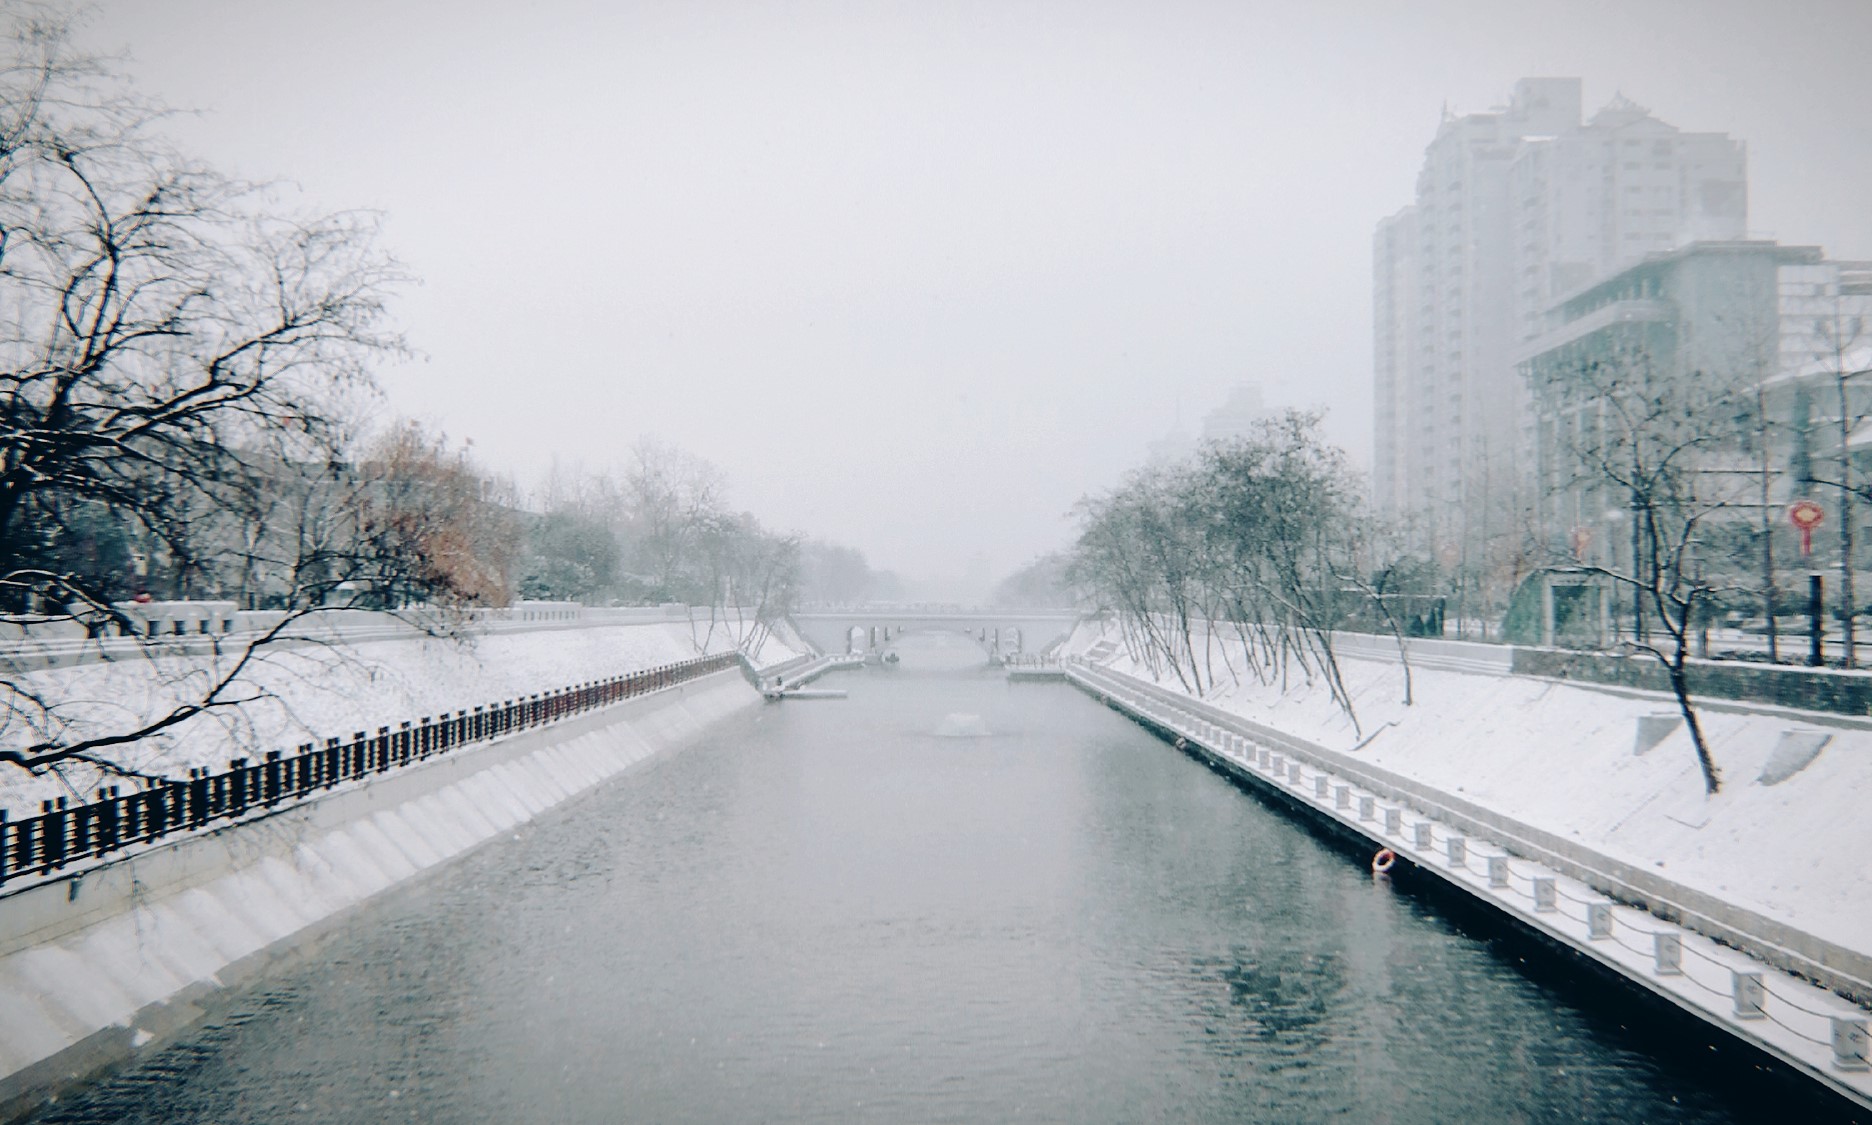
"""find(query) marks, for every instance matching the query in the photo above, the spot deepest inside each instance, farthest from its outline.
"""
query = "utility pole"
(1846, 523)
(1843, 334)
(1767, 525)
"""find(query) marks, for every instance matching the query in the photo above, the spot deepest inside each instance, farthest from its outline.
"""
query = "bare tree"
(1039, 584)
(1386, 576)
(1285, 520)
(749, 570)
(426, 512)
(1664, 442)
(1136, 555)
(1248, 540)
(672, 496)
(178, 366)
(164, 328)
(835, 573)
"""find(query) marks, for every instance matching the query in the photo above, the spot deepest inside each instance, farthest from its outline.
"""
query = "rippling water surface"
(826, 911)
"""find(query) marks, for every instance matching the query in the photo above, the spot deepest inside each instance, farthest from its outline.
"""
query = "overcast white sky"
(919, 275)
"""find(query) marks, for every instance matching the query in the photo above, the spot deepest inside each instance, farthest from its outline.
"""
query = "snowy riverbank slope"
(1564, 759)
(97, 968)
(290, 696)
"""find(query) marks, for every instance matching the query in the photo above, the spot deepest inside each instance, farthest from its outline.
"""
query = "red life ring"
(1383, 861)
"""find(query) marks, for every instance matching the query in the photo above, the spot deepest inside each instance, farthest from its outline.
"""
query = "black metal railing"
(62, 834)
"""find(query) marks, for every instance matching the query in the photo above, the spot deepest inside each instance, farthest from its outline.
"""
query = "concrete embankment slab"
(1595, 908)
(98, 965)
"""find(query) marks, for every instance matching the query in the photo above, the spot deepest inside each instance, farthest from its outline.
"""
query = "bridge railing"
(62, 835)
(1033, 660)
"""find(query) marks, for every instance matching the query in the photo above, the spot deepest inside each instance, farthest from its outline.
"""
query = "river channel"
(827, 911)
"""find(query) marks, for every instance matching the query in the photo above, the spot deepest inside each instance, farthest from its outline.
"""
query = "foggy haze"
(918, 277)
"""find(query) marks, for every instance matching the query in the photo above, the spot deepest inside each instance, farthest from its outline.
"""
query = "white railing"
(165, 628)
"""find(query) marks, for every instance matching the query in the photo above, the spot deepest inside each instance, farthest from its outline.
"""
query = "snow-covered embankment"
(1573, 761)
(95, 965)
(1578, 811)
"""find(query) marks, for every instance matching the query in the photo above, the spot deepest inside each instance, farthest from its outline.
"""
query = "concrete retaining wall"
(1809, 689)
(95, 967)
(1831, 690)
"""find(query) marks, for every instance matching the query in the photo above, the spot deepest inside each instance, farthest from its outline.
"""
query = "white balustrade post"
(1598, 920)
(1420, 835)
(1668, 949)
(1544, 895)
(1498, 871)
(1749, 995)
(1365, 806)
(1457, 849)
(1393, 821)
(1849, 1044)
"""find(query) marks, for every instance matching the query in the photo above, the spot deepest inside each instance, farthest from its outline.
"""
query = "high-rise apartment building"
(1516, 208)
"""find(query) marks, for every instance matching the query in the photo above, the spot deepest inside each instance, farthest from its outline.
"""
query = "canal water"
(946, 898)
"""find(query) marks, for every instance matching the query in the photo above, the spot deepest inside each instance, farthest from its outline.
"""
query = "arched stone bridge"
(866, 629)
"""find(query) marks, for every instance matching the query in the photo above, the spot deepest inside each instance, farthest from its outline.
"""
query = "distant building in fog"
(1174, 446)
(1515, 208)
(1708, 312)
(1236, 418)
(1826, 310)
(1734, 316)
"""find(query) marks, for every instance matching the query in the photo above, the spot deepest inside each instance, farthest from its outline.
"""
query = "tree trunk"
(1680, 686)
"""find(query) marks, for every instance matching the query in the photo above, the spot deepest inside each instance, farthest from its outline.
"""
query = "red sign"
(1806, 515)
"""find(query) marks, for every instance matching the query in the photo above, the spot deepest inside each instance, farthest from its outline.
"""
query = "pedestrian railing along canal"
(61, 835)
